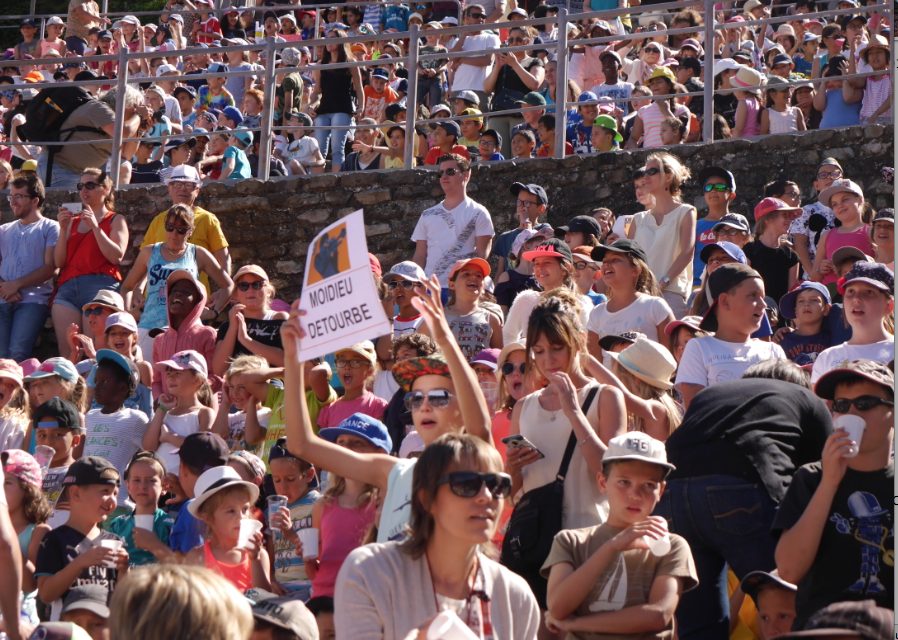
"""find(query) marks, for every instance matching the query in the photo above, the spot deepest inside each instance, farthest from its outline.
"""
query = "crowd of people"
(670, 425)
(774, 72)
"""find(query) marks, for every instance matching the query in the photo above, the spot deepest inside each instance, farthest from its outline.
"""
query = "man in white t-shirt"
(456, 228)
(735, 314)
(471, 72)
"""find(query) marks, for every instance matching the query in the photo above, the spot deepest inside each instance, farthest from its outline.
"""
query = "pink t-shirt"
(836, 239)
(341, 530)
(368, 403)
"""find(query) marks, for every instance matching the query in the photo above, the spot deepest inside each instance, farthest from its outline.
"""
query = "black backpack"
(45, 115)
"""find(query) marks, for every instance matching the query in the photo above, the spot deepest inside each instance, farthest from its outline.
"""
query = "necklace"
(174, 254)
(478, 621)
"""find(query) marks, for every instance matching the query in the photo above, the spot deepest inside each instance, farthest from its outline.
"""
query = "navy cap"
(187, 89)
(725, 278)
(56, 410)
(582, 224)
(717, 172)
(204, 450)
(531, 188)
(874, 274)
(451, 127)
(233, 113)
(734, 221)
(362, 426)
(630, 247)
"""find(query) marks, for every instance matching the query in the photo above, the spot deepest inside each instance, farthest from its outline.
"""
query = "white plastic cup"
(73, 207)
(144, 522)
(248, 528)
(659, 546)
(448, 626)
(113, 544)
(309, 539)
(854, 426)
(490, 393)
(44, 456)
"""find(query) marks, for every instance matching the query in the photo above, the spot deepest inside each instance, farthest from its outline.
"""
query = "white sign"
(338, 294)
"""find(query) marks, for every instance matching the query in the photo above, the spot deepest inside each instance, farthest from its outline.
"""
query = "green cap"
(607, 122)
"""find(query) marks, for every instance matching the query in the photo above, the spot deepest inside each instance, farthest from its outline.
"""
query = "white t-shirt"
(643, 315)
(451, 234)
(829, 359)
(515, 327)
(709, 360)
(115, 436)
(385, 385)
(304, 150)
(467, 76)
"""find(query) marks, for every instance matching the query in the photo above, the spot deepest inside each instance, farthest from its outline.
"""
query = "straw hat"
(648, 361)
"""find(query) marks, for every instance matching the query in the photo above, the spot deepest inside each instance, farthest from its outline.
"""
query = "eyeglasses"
(90, 186)
(508, 368)
(642, 173)
(20, 196)
(94, 311)
(181, 231)
(255, 286)
(405, 284)
(469, 484)
(526, 204)
(451, 171)
(436, 398)
(824, 175)
(861, 403)
(182, 184)
(716, 187)
(342, 363)
(580, 266)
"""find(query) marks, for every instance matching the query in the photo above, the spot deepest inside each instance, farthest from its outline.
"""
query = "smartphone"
(517, 441)
(73, 207)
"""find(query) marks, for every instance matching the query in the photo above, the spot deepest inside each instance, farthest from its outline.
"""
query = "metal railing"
(561, 49)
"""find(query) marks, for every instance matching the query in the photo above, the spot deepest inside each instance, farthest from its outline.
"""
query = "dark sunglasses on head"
(716, 187)
(468, 484)
(436, 398)
(405, 284)
(90, 186)
(508, 368)
(246, 286)
(861, 403)
(181, 231)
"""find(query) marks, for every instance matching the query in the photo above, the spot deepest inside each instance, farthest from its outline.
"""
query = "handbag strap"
(572, 441)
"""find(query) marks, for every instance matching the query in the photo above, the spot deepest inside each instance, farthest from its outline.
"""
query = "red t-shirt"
(435, 152)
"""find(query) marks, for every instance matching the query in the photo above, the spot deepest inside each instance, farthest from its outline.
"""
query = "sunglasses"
(405, 284)
(452, 171)
(90, 186)
(508, 368)
(94, 311)
(181, 231)
(477, 16)
(436, 398)
(255, 286)
(716, 187)
(469, 484)
(343, 363)
(861, 403)
(642, 173)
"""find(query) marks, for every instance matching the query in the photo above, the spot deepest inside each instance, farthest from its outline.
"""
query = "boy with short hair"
(488, 146)
(56, 424)
(471, 128)
(775, 601)
(808, 306)
(545, 129)
(719, 188)
(601, 579)
(605, 136)
(836, 518)
(613, 87)
(86, 606)
(79, 552)
(234, 163)
(736, 312)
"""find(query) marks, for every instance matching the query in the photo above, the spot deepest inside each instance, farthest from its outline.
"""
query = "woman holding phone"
(92, 242)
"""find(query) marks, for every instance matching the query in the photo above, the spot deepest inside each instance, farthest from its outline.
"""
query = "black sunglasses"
(642, 173)
(94, 311)
(405, 284)
(451, 171)
(716, 187)
(436, 398)
(477, 16)
(181, 231)
(508, 368)
(468, 484)
(90, 186)
(861, 403)
(246, 286)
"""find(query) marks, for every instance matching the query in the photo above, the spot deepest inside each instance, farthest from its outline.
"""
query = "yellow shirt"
(207, 234)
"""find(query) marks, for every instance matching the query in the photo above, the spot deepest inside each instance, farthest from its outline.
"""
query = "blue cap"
(380, 73)
(587, 96)
(729, 248)
(108, 355)
(217, 67)
(233, 113)
(244, 136)
(55, 367)
(362, 426)
(787, 302)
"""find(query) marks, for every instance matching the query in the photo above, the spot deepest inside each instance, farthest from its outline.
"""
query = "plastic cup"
(854, 426)
(309, 539)
(144, 522)
(659, 546)
(44, 456)
(248, 528)
(115, 545)
(274, 505)
(491, 393)
(448, 626)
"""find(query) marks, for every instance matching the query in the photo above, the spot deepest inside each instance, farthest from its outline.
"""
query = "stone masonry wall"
(272, 223)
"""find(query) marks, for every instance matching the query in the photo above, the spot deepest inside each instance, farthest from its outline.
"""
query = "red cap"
(772, 205)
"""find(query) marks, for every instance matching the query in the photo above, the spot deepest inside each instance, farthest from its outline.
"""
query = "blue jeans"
(726, 521)
(337, 136)
(20, 324)
(61, 177)
(78, 291)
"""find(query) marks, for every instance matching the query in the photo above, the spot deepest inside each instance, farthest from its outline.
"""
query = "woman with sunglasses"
(93, 240)
(666, 231)
(394, 589)
(252, 327)
(442, 395)
(157, 261)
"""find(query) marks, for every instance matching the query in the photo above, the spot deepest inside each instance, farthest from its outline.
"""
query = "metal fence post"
(561, 84)
(710, 54)
(265, 134)
(411, 97)
(120, 90)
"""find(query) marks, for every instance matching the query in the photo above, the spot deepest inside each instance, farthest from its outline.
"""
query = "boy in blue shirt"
(234, 163)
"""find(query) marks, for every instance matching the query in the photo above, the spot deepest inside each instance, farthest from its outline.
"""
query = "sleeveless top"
(342, 530)
(155, 310)
(83, 256)
(28, 607)
(838, 113)
(783, 121)
(397, 504)
(584, 505)
(240, 575)
(752, 118)
(662, 245)
(836, 239)
(337, 93)
(181, 425)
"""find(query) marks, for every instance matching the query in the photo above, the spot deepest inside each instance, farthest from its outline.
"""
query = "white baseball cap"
(184, 173)
(636, 446)
(407, 270)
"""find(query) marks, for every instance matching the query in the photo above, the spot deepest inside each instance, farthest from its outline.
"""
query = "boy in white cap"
(600, 578)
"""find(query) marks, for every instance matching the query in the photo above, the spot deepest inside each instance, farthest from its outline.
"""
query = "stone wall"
(272, 223)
